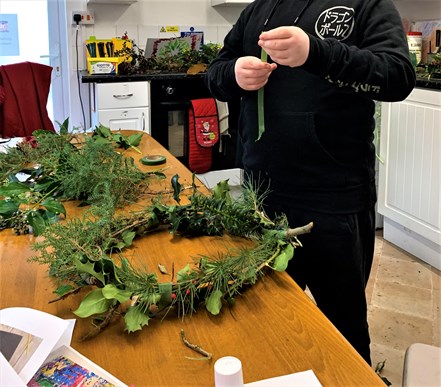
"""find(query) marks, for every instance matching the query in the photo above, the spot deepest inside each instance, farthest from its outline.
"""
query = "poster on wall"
(9, 35)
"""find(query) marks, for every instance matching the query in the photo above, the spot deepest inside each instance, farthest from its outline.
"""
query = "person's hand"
(288, 46)
(251, 73)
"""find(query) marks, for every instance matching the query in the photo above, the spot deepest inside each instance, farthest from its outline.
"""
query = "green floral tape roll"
(153, 160)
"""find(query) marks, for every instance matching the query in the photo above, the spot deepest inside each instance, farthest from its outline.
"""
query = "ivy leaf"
(222, 191)
(93, 303)
(110, 292)
(176, 188)
(214, 302)
(120, 245)
(8, 207)
(281, 261)
(37, 222)
(128, 237)
(54, 206)
(121, 140)
(135, 319)
(14, 189)
(135, 139)
(103, 131)
(46, 184)
(102, 140)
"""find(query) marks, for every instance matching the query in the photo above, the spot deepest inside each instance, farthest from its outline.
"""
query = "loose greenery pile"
(34, 180)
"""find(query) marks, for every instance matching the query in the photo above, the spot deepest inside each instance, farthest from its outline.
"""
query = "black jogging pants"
(335, 262)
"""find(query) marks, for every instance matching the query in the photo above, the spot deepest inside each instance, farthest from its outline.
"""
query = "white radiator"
(410, 177)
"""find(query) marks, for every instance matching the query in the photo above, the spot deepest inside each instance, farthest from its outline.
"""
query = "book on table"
(35, 351)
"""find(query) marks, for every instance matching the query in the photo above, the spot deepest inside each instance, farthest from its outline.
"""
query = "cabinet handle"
(123, 95)
(143, 122)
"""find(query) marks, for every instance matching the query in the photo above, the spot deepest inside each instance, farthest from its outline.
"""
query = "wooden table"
(274, 328)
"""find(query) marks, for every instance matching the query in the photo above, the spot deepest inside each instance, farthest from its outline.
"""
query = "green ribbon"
(260, 104)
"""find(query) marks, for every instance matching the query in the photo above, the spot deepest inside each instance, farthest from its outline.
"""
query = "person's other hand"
(288, 46)
(251, 73)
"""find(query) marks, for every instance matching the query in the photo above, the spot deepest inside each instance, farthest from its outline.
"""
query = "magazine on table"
(35, 351)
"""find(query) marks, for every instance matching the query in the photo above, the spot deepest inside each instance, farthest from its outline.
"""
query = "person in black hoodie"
(328, 62)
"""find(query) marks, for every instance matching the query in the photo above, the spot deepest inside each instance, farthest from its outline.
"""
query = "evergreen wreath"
(87, 251)
(82, 253)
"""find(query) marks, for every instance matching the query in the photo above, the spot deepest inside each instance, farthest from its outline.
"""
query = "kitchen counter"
(425, 83)
(109, 78)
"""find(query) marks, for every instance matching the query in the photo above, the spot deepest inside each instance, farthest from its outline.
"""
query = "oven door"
(171, 128)
(170, 102)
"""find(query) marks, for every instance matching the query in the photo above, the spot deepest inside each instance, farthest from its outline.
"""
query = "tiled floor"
(404, 300)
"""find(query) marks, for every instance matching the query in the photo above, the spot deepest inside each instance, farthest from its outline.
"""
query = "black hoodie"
(317, 151)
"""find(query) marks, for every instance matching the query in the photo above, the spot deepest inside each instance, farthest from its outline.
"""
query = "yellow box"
(104, 55)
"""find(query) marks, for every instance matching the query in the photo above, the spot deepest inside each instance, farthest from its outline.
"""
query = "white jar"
(415, 42)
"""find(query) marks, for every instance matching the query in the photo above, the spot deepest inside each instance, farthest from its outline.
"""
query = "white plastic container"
(415, 42)
(228, 372)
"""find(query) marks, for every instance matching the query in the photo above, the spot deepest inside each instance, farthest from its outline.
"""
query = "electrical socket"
(87, 17)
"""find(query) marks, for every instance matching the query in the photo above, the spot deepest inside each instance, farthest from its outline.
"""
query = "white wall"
(416, 10)
(145, 18)
(140, 20)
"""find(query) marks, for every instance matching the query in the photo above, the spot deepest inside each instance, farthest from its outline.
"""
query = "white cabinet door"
(410, 178)
(133, 118)
(117, 95)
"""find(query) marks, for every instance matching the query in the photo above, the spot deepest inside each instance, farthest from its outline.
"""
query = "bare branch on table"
(65, 295)
(103, 324)
(195, 347)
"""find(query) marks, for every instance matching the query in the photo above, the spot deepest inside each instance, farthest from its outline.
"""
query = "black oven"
(170, 101)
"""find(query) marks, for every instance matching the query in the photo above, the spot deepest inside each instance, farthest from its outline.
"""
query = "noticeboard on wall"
(9, 45)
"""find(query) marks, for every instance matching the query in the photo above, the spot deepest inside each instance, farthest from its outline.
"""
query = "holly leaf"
(214, 302)
(13, 189)
(135, 319)
(54, 206)
(93, 303)
(88, 268)
(110, 292)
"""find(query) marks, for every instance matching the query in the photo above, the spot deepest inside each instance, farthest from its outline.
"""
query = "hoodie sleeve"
(378, 65)
(221, 79)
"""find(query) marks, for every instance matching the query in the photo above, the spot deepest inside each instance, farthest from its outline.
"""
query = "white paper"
(298, 379)
(53, 331)
(8, 376)
(7, 143)
(34, 338)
